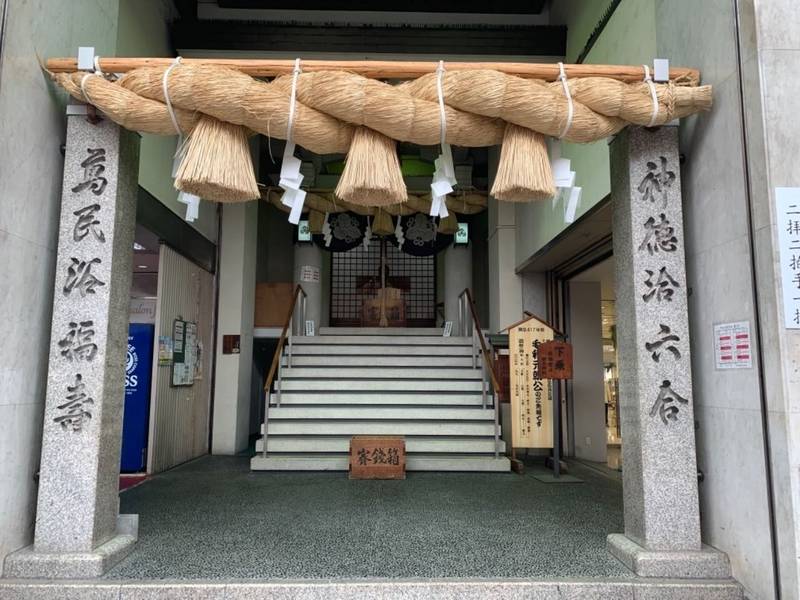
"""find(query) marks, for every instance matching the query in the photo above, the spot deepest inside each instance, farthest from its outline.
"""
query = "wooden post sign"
(531, 394)
(377, 457)
(555, 360)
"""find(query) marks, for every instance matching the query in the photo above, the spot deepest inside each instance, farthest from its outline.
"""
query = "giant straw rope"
(330, 105)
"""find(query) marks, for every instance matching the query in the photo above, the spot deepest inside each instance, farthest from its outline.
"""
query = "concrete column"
(662, 520)
(457, 276)
(237, 280)
(505, 286)
(79, 531)
(586, 335)
(310, 256)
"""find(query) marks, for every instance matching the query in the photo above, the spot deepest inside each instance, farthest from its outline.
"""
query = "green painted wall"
(629, 38)
(143, 31)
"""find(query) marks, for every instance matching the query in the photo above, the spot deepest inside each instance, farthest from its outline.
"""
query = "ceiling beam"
(510, 7)
(492, 40)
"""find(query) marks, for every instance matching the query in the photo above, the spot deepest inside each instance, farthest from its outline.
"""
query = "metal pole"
(266, 421)
(303, 312)
(291, 327)
(279, 381)
(496, 402)
(475, 353)
(556, 427)
(460, 325)
(483, 384)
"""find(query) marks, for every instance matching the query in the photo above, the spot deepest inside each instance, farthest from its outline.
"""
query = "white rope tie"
(292, 100)
(167, 101)
(649, 81)
(83, 86)
(442, 113)
(570, 106)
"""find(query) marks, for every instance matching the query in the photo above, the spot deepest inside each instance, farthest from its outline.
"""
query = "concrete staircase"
(411, 382)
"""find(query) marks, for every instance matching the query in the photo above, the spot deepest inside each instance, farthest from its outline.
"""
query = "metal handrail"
(275, 367)
(465, 300)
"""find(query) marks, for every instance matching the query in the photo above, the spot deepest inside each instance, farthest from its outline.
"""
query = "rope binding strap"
(191, 201)
(291, 178)
(570, 105)
(653, 94)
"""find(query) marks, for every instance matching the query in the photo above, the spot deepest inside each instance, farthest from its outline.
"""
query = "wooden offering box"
(377, 457)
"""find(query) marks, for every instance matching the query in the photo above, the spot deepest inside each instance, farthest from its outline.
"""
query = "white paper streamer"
(398, 232)
(444, 177)
(326, 232)
(367, 235)
(290, 178)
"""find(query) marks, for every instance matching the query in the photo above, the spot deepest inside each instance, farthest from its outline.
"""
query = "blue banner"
(138, 369)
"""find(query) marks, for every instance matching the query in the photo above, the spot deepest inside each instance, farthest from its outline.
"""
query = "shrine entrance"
(379, 284)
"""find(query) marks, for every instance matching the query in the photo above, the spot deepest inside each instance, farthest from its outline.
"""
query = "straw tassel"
(524, 172)
(217, 165)
(372, 175)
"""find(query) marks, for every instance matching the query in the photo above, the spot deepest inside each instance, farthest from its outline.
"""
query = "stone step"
(414, 462)
(387, 350)
(334, 360)
(380, 385)
(380, 399)
(383, 340)
(424, 445)
(387, 413)
(383, 331)
(405, 428)
(446, 373)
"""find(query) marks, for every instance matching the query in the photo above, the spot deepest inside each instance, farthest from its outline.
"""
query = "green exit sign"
(462, 235)
(303, 231)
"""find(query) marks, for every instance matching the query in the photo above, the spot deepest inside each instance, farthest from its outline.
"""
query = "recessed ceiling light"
(138, 246)
(142, 266)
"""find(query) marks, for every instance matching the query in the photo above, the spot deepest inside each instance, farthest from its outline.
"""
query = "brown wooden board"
(555, 360)
(272, 303)
(377, 457)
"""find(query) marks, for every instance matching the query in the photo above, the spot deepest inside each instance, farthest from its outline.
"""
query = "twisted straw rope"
(330, 104)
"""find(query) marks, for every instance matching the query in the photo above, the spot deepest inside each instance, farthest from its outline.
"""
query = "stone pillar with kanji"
(660, 489)
(79, 531)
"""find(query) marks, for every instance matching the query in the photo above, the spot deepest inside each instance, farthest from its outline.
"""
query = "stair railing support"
(276, 368)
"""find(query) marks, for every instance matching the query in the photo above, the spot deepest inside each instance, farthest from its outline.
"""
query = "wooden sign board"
(377, 457)
(531, 395)
(555, 360)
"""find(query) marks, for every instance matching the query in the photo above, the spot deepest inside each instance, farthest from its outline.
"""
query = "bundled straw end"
(524, 172)
(372, 175)
(217, 165)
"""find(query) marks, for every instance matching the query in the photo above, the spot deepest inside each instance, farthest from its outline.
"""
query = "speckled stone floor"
(213, 518)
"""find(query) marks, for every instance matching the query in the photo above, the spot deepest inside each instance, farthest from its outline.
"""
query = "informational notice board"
(184, 352)
(531, 396)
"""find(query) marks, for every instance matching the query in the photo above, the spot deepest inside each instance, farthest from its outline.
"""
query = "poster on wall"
(788, 221)
(184, 352)
(732, 345)
(531, 396)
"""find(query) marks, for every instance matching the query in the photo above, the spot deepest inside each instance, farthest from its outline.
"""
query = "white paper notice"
(309, 274)
(788, 215)
(732, 345)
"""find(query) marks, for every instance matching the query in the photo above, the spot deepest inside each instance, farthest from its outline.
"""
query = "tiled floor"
(213, 518)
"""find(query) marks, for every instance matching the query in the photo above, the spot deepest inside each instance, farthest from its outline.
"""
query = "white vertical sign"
(788, 223)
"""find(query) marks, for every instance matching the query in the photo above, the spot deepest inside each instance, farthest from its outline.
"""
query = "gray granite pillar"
(79, 532)
(308, 273)
(662, 518)
(457, 277)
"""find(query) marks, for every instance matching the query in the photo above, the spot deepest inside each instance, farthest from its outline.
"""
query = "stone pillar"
(310, 257)
(237, 283)
(662, 519)
(79, 531)
(457, 276)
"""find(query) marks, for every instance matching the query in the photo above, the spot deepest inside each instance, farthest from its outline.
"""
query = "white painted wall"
(730, 447)
(237, 277)
(505, 286)
(457, 277)
(586, 335)
(32, 128)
